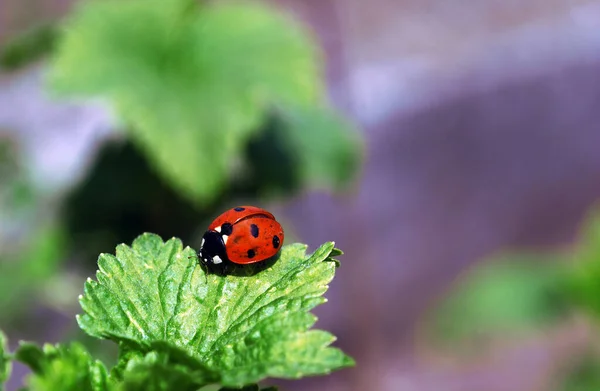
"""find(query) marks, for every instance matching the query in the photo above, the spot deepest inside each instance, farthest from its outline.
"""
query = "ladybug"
(241, 235)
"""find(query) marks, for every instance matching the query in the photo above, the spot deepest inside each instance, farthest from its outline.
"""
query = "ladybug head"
(212, 250)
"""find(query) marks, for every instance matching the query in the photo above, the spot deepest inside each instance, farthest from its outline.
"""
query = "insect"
(241, 235)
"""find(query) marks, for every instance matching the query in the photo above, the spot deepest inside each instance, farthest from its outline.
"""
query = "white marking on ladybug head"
(218, 229)
(216, 260)
(225, 237)
(202, 244)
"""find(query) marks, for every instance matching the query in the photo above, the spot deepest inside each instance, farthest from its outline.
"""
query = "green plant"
(509, 293)
(195, 83)
(218, 102)
(521, 292)
(178, 328)
(29, 258)
(29, 46)
(5, 364)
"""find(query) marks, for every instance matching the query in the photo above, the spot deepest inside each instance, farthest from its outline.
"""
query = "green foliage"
(5, 364)
(584, 281)
(178, 328)
(243, 328)
(196, 85)
(517, 292)
(526, 291)
(582, 289)
(26, 272)
(195, 82)
(157, 371)
(584, 376)
(27, 47)
(32, 245)
(62, 368)
(327, 149)
(16, 193)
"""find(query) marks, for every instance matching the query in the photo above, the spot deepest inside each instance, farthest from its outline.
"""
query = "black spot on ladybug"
(275, 241)
(251, 253)
(239, 209)
(254, 230)
(226, 229)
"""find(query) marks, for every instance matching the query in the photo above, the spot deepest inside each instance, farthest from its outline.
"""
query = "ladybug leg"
(217, 268)
(226, 268)
(205, 269)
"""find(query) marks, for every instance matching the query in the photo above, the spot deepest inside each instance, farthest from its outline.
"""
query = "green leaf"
(159, 370)
(59, 367)
(31, 355)
(194, 82)
(5, 362)
(26, 272)
(28, 47)
(510, 293)
(157, 364)
(244, 328)
(327, 147)
(583, 374)
(583, 282)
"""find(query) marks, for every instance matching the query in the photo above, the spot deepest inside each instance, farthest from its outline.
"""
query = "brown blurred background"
(482, 122)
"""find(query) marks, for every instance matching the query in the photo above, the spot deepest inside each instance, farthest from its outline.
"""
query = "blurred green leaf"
(16, 193)
(300, 147)
(506, 294)
(244, 328)
(584, 375)
(584, 280)
(327, 147)
(195, 83)
(28, 46)
(24, 275)
(62, 368)
(5, 363)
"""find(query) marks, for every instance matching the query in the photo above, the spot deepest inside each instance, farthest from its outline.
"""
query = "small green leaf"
(28, 47)
(194, 83)
(25, 274)
(128, 351)
(244, 328)
(139, 366)
(583, 374)
(157, 371)
(58, 367)
(327, 146)
(5, 362)
(583, 283)
(31, 355)
(511, 293)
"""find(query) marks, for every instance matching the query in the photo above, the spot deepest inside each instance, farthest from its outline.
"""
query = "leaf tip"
(348, 361)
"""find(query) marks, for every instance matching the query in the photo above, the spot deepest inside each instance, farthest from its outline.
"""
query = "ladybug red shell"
(241, 235)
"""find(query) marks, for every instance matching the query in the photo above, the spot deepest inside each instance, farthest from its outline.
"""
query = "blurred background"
(450, 148)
